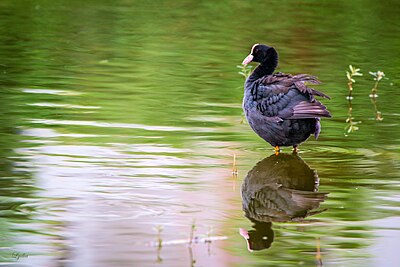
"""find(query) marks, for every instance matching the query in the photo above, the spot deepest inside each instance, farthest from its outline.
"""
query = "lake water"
(120, 121)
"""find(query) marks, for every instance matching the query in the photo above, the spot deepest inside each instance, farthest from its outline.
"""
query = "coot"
(280, 107)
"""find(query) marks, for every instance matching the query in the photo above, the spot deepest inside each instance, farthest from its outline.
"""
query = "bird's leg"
(295, 149)
(277, 150)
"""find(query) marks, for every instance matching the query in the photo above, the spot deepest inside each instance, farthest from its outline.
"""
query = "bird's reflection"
(279, 188)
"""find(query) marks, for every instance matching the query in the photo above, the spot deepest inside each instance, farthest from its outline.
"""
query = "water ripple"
(53, 105)
(49, 91)
(122, 125)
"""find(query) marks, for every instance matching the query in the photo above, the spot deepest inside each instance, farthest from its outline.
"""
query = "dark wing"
(288, 97)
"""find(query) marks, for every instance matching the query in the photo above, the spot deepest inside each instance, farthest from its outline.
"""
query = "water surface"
(120, 122)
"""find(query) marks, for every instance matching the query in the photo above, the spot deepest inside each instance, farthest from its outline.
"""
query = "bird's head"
(262, 54)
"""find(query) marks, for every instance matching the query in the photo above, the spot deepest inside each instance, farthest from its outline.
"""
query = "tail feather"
(305, 110)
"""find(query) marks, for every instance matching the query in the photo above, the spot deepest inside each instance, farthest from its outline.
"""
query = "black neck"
(265, 68)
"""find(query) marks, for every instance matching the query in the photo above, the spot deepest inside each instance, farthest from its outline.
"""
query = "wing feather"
(288, 97)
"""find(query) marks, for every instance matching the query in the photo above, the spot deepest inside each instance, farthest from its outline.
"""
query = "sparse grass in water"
(351, 124)
(191, 237)
(234, 168)
(245, 70)
(377, 77)
(159, 229)
(374, 93)
(318, 255)
(234, 173)
(350, 77)
(243, 120)
(192, 230)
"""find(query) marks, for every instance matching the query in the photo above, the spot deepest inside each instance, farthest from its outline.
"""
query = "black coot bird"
(279, 107)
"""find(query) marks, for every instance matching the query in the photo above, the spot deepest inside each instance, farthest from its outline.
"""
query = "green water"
(123, 117)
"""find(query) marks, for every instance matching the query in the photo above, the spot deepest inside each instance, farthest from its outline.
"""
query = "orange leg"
(277, 150)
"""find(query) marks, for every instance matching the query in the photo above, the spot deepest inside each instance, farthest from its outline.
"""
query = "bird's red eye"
(254, 49)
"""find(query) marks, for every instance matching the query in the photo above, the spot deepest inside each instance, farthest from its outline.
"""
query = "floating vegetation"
(235, 173)
(243, 120)
(318, 255)
(245, 70)
(159, 229)
(193, 239)
(350, 77)
(377, 77)
(192, 230)
(234, 168)
(351, 124)
(374, 93)
(191, 257)
(198, 239)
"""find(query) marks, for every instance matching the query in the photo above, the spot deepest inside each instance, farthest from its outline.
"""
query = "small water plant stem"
(377, 77)
(192, 230)
(159, 239)
(234, 168)
(159, 229)
(351, 124)
(374, 93)
(245, 70)
(318, 255)
(350, 79)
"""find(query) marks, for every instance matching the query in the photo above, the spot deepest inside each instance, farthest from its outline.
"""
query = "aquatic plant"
(192, 230)
(350, 77)
(245, 70)
(191, 257)
(234, 168)
(209, 232)
(351, 124)
(377, 77)
(159, 229)
(318, 256)
(243, 120)
(374, 93)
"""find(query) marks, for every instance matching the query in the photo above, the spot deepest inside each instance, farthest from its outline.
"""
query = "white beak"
(248, 59)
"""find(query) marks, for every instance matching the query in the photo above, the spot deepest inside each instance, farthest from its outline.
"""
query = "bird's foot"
(277, 150)
(295, 149)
